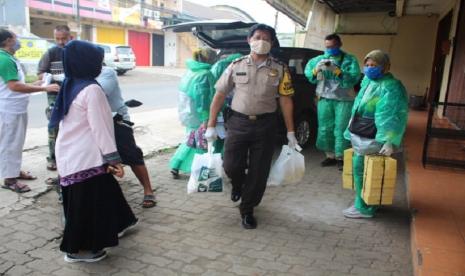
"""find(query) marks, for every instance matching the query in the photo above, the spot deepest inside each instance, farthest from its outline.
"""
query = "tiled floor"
(438, 196)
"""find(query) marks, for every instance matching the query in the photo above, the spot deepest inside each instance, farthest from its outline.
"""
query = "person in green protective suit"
(382, 100)
(217, 70)
(335, 73)
(219, 67)
(196, 93)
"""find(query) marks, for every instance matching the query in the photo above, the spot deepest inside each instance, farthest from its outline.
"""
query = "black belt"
(253, 117)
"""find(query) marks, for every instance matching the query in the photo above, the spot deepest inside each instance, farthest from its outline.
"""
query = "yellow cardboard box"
(347, 176)
(379, 180)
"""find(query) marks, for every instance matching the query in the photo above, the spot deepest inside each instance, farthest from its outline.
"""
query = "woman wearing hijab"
(196, 93)
(95, 209)
(378, 122)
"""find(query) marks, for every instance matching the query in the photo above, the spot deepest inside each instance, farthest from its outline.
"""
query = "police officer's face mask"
(260, 47)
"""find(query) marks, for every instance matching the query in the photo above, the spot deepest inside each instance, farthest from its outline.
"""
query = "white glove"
(387, 149)
(292, 141)
(322, 65)
(211, 135)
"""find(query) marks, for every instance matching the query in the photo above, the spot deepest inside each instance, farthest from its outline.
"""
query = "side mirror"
(133, 103)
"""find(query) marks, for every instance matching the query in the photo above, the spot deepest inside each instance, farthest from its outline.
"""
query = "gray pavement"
(301, 230)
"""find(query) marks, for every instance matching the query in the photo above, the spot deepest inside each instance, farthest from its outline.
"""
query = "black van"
(231, 37)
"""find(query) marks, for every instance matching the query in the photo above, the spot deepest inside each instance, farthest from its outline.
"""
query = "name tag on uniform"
(273, 73)
(241, 73)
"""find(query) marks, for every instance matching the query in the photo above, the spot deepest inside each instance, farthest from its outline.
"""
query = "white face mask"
(260, 47)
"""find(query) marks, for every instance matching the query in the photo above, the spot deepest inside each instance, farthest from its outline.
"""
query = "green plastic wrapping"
(221, 65)
(386, 101)
(198, 84)
(349, 67)
(333, 117)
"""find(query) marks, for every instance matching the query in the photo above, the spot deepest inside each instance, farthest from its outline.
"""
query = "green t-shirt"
(8, 68)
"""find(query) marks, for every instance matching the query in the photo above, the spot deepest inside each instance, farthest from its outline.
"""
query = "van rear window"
(123, 50)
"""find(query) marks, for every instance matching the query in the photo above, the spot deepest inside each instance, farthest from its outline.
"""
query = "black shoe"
(328, 162)
(340, 164)
(175, 173)
(249, 221)
(235, 196)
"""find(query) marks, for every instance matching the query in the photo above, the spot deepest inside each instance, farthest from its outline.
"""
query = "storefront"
(111, 35)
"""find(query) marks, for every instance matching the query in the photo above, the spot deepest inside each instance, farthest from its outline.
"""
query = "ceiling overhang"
(297, 10)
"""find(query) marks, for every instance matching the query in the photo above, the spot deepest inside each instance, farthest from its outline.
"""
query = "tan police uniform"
(251, 129)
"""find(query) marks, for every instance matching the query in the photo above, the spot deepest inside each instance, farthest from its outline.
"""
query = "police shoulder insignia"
(278, 61)
(239, 59)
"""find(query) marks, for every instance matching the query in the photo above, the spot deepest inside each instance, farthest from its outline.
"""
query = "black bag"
(364, 127)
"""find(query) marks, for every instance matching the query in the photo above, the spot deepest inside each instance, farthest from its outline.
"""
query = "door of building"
(440, 53)
(140, 44)
(456, 89)
(158, 50)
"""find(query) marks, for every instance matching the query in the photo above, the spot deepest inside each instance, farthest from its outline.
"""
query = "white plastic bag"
(288, 168)
(206, 173)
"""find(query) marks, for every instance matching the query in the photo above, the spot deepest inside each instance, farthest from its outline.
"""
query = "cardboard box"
(347, 175)
(379, 180)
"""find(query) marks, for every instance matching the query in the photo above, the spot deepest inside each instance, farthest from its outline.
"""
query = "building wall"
(186, 44)
(13, 12)
(321, 21)
(44, 27)
(170, 49)
(411, 50)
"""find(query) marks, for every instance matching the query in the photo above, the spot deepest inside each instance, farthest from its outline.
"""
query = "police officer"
(258, 80)
(51, 62)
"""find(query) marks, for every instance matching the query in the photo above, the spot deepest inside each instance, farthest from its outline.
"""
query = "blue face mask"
(17, 45)
(333, 51)
(374, 72)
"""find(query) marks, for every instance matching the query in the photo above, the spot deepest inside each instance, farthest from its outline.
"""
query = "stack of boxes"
(347, 176)
(379, 178)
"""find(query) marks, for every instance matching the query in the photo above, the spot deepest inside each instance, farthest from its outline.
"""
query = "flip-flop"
(25, 175)
(149, 201)
(17, 187)
(51, 166)
(52, 181)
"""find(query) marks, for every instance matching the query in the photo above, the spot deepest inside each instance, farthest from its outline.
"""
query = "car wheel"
(120, 72)
(303, 129)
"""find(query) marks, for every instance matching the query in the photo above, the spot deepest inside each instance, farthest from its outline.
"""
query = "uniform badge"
(273, 73)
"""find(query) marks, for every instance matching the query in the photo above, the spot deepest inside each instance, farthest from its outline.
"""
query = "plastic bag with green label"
(206, 173)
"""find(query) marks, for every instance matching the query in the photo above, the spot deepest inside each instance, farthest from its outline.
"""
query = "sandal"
(51, 181)
(17, 187)
(149, 201)
(51, 166)
(23, 175)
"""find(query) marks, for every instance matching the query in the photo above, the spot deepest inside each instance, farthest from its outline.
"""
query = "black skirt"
(95, 212)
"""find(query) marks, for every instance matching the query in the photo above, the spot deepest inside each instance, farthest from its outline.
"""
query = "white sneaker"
(349, 210)
(85, 257)
(352, 212)
(132, 226)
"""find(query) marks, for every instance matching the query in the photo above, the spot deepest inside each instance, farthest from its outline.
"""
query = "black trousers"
(248, 152)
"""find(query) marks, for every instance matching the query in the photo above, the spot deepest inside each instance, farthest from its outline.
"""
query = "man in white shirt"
(14, 98)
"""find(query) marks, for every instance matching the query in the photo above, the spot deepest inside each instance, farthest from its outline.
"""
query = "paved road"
(156, 91)
(301, 232)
